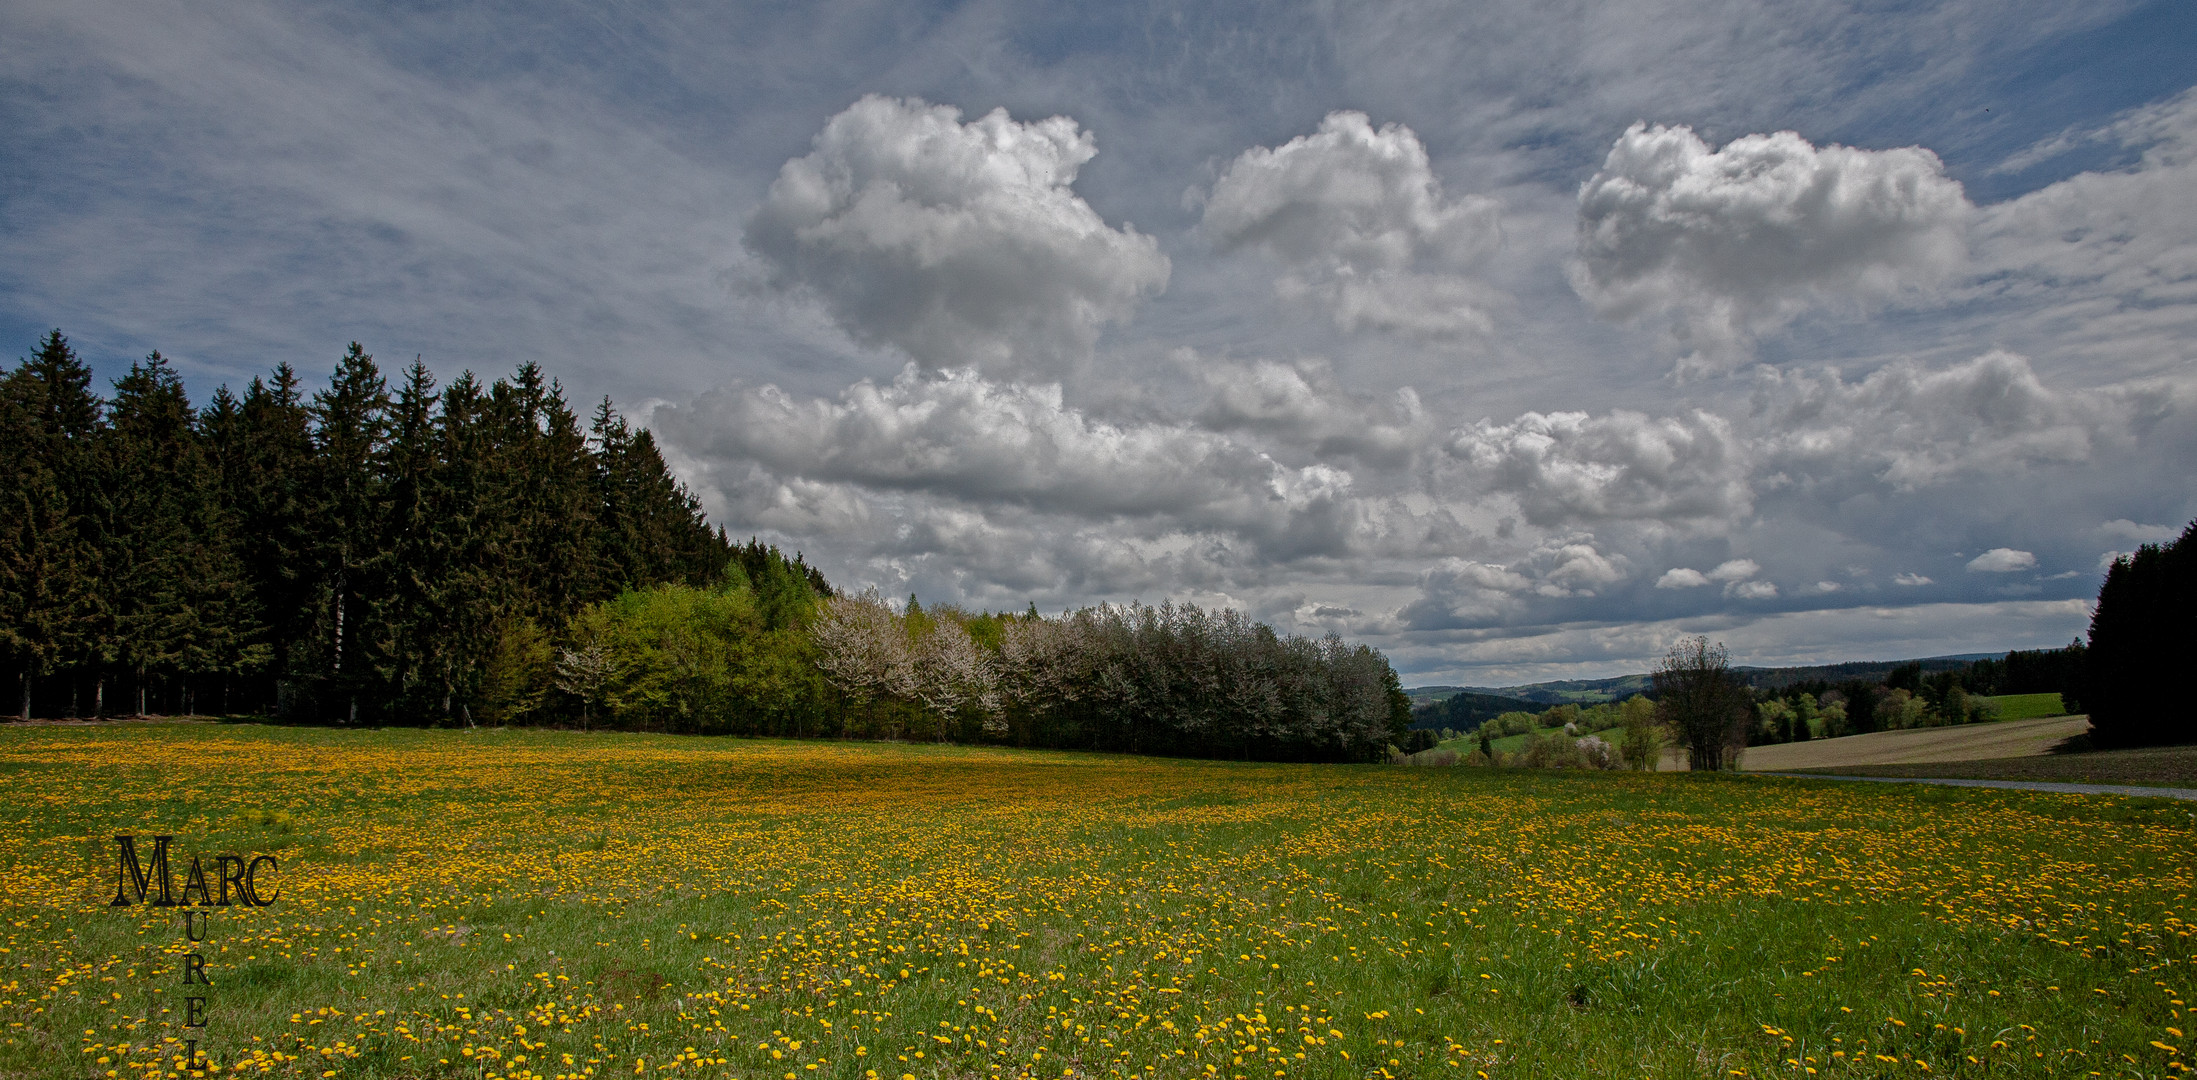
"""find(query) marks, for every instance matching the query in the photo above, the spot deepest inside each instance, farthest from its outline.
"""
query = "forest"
(415, 554)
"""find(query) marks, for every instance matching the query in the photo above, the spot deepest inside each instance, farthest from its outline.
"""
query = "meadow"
(2026, 706)
(511, 905)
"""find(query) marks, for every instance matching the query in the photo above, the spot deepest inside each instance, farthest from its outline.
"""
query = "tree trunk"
(26, 695)
(141, 690)
(99, 697)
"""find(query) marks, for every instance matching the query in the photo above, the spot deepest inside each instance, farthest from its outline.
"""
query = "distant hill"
(1466, 709)
(1538, 696)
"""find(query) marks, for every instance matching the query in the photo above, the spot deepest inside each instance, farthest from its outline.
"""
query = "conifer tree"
(47, 567)
(2141, 633)
(350, 430)
(270, 476)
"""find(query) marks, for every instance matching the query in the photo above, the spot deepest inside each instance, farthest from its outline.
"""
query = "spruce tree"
(350, 430)
(271, 477)
(2141, 633)
(47, 568)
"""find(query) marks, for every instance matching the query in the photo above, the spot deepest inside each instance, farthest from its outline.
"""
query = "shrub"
(1551, 752)
(1595, 754)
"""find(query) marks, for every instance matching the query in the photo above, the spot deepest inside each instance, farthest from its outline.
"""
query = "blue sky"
(1516, 338)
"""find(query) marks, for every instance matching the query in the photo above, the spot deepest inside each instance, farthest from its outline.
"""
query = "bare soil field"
(1968, 742)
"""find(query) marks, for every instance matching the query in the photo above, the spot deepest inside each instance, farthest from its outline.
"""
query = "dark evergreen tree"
(652, 528)
(2142, 631)
(48, 567)
(350, 433)
(271, 477)
(550, 495)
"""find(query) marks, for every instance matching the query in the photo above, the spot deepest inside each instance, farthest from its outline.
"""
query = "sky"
(1518, 339)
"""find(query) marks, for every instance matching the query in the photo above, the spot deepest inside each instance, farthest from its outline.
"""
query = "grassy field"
(2027, 706)
(518, 905)
(1511, 744)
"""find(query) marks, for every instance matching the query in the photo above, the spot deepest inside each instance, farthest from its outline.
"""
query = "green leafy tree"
(1700, 701)
(1642, 744)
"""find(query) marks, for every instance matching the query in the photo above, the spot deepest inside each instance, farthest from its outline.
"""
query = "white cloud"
(961, 244)
(1732, 572)
(1572, 467)
(2002, 561)
(1359, 221)
(1909, 579)
(2142, 534)
(1679, 577)
(2101, 268)
(1911, 427)
(1573, 566)
(927, 450)
(1302, 405)
(1737, 241)
(1735, 570)
(1752, 590)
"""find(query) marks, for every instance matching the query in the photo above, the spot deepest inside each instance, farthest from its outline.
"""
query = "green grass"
(619, 905)
(2027, 706)
(1511, 744)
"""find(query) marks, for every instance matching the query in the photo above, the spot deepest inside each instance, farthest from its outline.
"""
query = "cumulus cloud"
(2002, 561)
(1730, 572)
(1573, 467)
(1302, 405)
(996, 446)
(1680, 577)
(1752, 590)
(1736, 241)
(1735, 570)
(1910, 427)
(1909, 579)
(2143, 534)
(1359, 222)
(959, 243)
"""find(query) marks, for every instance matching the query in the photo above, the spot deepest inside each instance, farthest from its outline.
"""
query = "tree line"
(474, 553)
(357, 554)
(1166, 679)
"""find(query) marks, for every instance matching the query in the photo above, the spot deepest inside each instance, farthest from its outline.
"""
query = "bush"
(1551, 752)
(1596, 754)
